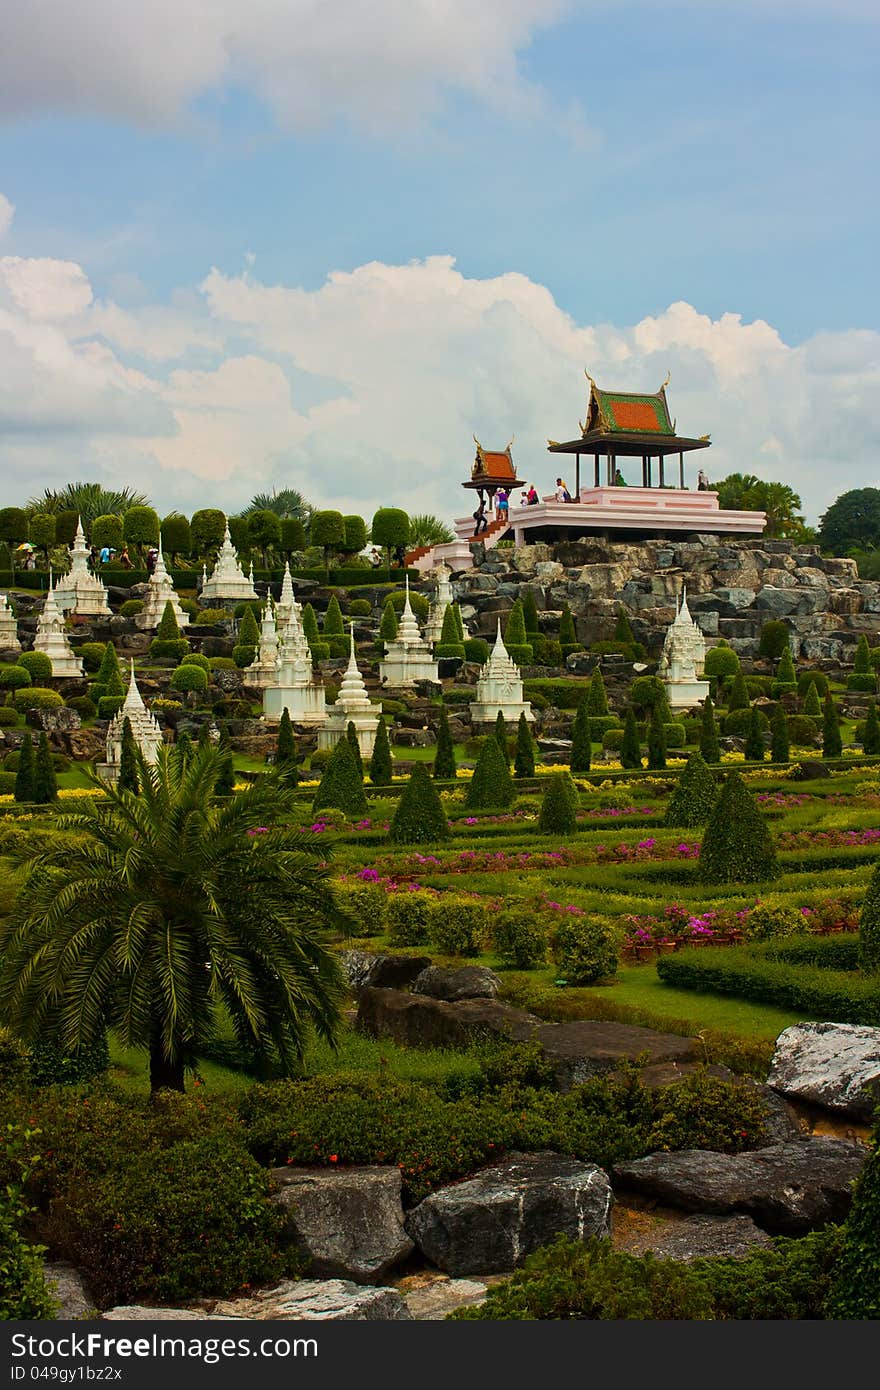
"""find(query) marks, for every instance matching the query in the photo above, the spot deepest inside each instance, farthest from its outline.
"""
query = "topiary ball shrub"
(37, 698)
(360, 608)
(8, 717)
(170, 649)
(694, 795)
(188, 678)
(320, 651)
(519, 937)
(457, 926)
(816, 678)
(419, 818)
(37, 664)
(196, 659)
(131, 607)
(559, 805)
(802, 729)
(764, 922)
(14, 677)
(109, 705)
(91, 654)
(739, 722)
(737, 847)
(774, 639)
(585, 950)
(409, 917)
(476, 649)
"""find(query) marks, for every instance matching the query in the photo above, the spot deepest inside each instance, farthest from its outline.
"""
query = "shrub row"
(761, 974)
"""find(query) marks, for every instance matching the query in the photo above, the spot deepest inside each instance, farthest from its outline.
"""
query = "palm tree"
(287, 502)
(171, 912)
(88, 500)
(428, 530)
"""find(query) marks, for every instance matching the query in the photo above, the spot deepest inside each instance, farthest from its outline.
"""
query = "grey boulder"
(465, 982)
(786, 1188)
(345, 1222)
(832, 1064)
(491, 1222)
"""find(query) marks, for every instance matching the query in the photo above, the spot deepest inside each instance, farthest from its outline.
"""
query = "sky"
(248, 244)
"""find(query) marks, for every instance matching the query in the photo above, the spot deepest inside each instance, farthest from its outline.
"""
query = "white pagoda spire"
(8, 627)
(144, 727)
(80, 591)
(52, 640)
(500, 687)
(352, 707)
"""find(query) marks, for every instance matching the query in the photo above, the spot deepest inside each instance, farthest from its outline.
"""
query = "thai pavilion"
(630, 483)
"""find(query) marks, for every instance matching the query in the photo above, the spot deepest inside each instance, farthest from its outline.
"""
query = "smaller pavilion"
(500, 687)
(264, 670)
(287, 603)
(79, 592)
(294, 686)
(52, 640)
(8, 627)
(160, 591)
(408, 657)
(682, 659)
(442, 600)
(492, 469)
(144, 727)
(228, 580)
(352, 707)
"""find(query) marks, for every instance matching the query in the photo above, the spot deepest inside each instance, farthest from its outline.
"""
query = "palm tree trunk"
(164, 1075)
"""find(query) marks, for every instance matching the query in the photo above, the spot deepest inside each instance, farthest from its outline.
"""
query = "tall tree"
(656, 740)
(524, 760)
(630, 748)
(24, 776)
(852, 521)
(352, 736)
(581, 739)
(444, 758)
(425, 529)
(45, 781)
(832, 742)
(390, 529)
(286, 503)
(381, 763)
(710, 748)
(88, 500)
(501, 735)
(114, 929)
(597, 700)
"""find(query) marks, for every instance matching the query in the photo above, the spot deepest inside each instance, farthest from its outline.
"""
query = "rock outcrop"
(836, 1065)
(346, 1223)
(491, 1222)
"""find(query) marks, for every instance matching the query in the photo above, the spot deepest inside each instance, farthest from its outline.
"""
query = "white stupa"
(8, 627)
(144, 726)
(80, 592)
(500, 687)
(352, 707)
(441, 601)
(263, 671)
(294, 686)
(681, 663)
(52, 639)
(408, 656)
(228, 580)
(160, 591)
(287, 603)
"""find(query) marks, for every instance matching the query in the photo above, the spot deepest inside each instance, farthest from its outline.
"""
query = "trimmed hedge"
(768, 975)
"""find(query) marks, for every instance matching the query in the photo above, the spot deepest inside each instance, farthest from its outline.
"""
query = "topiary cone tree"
(737, 846)
(754, 749)
(515, 627)
(559, 805)
(739, 694)
(491, 785)
(333, 624)
(780, 746)
(451, 642)
(419, 818)
(352, 736)
(694, 797)
(444, 758)
(459, 620)
(656, 741)
(871, 739)
(530, 615)
(381, 766)
(285, 749)
(341, 786)
(524, 759)
(128, 780)
(24, 776)
(388, 623)
(597, 700)
(862, 661)
(709, 745)
(581, 742)
(832, 743)
(45, 782)
(630, 747)
(310, 624)
(500, 732)
(785, 671)
(567, 634)
(812, 703)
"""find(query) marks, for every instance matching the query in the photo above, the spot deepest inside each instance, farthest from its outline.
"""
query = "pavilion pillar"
(681, 470)
(577, 477)
(650, 482)
(644, 471)
(610, 474)
(596, 460)
(661, 461)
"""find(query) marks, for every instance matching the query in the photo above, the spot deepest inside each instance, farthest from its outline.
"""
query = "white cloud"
(7, 212)
(381, 65)
(367, 390)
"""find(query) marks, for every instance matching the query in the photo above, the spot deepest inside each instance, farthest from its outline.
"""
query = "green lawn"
(639, 986)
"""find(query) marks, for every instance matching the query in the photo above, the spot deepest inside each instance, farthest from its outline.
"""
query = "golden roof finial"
(666, 382)
(552, 443)
(510, 445)
(589, 378)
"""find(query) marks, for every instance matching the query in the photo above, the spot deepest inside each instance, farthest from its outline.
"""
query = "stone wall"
(734, 586)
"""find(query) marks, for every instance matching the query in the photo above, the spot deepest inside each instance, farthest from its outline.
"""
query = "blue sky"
(584, 166)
